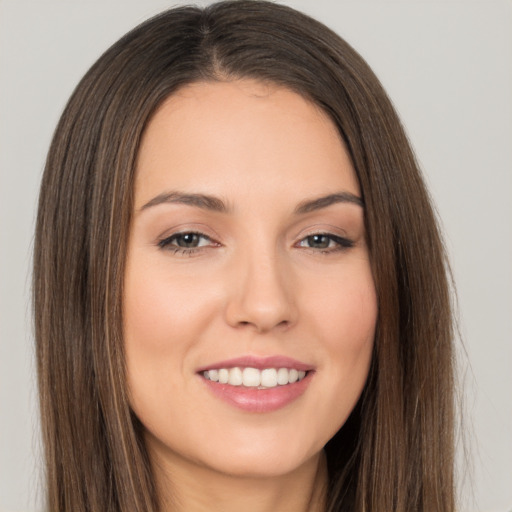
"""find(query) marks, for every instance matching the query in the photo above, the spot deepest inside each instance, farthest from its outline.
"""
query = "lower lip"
(259, 400)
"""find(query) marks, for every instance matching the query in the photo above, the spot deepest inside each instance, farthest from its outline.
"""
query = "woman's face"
(247, 263)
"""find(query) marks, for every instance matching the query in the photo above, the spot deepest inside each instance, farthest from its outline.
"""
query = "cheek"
(161, 308)
(164, 316)
(345, 310)
(344, 315)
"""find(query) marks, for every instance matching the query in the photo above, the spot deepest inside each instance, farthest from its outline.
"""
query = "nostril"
(284, 324)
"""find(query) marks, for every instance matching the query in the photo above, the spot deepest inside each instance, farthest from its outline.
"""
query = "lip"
(259, 363)
(259, 400)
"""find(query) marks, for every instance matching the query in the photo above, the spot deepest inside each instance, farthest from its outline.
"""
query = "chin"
(261, 458)
(262, 465)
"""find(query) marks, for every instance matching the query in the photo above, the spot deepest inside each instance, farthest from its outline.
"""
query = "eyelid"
(198, 228)
(321, 229)
(164, 242)
(335, 234)
(341, 243)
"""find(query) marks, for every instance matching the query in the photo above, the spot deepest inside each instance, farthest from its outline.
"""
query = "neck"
(193, 488)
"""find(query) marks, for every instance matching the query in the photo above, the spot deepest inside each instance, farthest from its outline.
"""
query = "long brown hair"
(395, 452)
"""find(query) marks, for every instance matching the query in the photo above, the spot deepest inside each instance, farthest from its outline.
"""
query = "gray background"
(447, 65)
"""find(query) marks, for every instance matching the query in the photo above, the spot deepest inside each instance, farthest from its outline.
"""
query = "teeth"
(282, 376)
(223, 376)
(251, 377)
(254, 378)
(269, 378)
(235, 377)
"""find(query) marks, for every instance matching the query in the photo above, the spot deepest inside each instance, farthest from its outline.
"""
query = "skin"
(256, 285)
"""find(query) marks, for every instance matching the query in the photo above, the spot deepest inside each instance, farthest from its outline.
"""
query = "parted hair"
(395, 452)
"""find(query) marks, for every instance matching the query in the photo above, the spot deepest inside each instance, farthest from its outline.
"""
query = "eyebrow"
(325, 201)
(212, 203)
(202, 201)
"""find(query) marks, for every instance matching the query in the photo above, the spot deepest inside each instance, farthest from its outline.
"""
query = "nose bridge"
(261, 294)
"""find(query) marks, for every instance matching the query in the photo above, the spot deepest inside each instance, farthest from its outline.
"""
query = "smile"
(254, 378)
(258, 384)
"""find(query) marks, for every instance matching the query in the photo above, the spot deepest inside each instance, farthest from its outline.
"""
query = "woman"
(240, 289)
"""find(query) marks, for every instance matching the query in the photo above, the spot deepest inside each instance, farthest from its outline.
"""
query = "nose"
(261, 293)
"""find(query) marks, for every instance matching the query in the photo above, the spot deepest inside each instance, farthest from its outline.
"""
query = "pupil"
(188, 240)
(319, 241)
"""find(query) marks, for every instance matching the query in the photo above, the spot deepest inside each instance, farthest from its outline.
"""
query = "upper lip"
(249, 361)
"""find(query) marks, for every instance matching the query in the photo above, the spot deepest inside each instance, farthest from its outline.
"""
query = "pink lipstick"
(257, 384)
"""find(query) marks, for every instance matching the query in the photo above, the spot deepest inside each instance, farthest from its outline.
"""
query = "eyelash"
(342, 243)
(166, 243)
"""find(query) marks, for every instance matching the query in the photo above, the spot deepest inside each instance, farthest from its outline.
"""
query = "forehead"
(243, 137)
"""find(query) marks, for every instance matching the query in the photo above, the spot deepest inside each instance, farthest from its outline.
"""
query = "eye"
(326, 242)
(185, 242)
